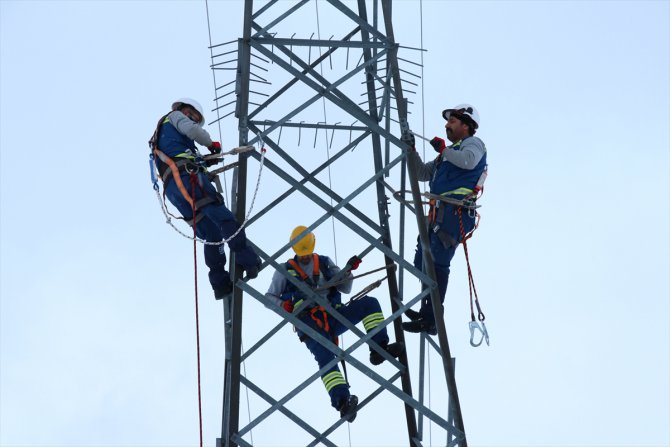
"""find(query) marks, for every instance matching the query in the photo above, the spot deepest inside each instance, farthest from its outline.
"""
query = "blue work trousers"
(217, 223)
(354, 311)
(442, 256)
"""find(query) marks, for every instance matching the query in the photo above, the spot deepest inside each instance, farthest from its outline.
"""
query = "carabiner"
(152, 171)
(481, 327)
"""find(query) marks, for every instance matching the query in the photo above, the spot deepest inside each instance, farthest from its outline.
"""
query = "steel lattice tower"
(375, 130)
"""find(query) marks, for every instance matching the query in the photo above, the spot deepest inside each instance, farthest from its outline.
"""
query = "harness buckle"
(481, 328)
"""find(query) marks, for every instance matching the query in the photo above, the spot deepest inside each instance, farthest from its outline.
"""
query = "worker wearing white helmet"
(455, 173)
(180, 165)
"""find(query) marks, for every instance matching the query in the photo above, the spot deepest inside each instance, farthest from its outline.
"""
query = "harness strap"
(175, 173)
(315, 271)
(323, 322)
(198, 205)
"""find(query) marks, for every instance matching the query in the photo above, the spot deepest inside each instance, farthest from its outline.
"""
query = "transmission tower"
(309, 89)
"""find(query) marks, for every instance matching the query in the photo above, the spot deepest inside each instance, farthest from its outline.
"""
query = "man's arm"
(424, 171)
(190, 129)
(276, 288)
(344, 287)
(471, 152)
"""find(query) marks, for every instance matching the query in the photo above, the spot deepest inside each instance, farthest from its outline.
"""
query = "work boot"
(251, 272)
(348, 408)
(420, 325)
(394, 349)
(221, 292)
(412, 314)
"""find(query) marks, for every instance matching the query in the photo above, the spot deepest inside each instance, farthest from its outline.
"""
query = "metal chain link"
(168, 217)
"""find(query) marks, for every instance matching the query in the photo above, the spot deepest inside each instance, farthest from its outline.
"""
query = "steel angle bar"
(311, 126)
(295, 79)
(225, 85)
(321, 186)
(333, 94)
(423, 232)
(276, 41)
(286, 412)
(321, 91)
(264, 8)
(359, 20)
(363, 337)
(222, 44)
(335, 211)
(263, 339)
(338, 352)
(337, 97)
(361, 405)
(279, 19)
(434, 345)
(328, 344)
(313, 174)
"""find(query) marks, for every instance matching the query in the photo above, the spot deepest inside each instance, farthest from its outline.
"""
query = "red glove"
(215, 147)
(354, 262)
(287, 306)
(438, 144)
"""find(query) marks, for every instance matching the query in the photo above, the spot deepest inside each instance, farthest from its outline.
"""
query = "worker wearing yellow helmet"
(316, 271)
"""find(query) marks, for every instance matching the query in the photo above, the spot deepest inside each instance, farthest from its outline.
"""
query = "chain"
(168, 217)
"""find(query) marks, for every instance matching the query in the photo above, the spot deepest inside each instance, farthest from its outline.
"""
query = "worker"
(454, 173)
(183, 170)
(316, 271)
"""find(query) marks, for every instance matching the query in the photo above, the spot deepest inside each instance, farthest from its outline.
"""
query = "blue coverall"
(217, 222)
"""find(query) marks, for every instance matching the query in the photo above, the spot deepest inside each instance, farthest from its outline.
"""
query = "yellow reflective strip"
(185, 155)
(298, 303)
(373, 320)
(166, 120)
(458, 191)
(333, 379)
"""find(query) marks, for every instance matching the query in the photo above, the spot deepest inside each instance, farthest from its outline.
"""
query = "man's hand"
(438, 144)
(215, 147)
(287, 306)
(353, 263)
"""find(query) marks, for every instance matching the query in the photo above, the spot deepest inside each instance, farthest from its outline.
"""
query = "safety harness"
(170, 169)
(317, 313)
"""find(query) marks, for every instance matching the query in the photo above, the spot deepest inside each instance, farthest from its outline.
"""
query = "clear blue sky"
(571, 260)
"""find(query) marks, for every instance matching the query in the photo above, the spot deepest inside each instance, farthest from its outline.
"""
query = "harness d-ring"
(481, 328)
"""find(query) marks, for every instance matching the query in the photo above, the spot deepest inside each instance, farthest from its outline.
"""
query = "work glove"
(354, 262)
(215, 147)
(438, 144)
(287, 306)
(409, 140)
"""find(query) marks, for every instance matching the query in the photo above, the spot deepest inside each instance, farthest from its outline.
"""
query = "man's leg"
(333, 380)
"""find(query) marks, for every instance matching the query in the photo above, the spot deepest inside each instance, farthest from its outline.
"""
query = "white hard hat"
(463, 109)
(191, 102)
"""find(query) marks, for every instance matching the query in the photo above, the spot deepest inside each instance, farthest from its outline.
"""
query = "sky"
(571, 260)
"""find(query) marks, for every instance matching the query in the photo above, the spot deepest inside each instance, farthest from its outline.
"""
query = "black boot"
(251, 272)
(348, 408)
(394, 349)
(223, 291)
(412, 314)
(420, 325)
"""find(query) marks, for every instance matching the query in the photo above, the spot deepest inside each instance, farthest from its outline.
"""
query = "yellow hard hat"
(304, 246)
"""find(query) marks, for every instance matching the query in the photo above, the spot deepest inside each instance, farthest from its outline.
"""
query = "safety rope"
(168, 216)
(194, 182)
(474, 325)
